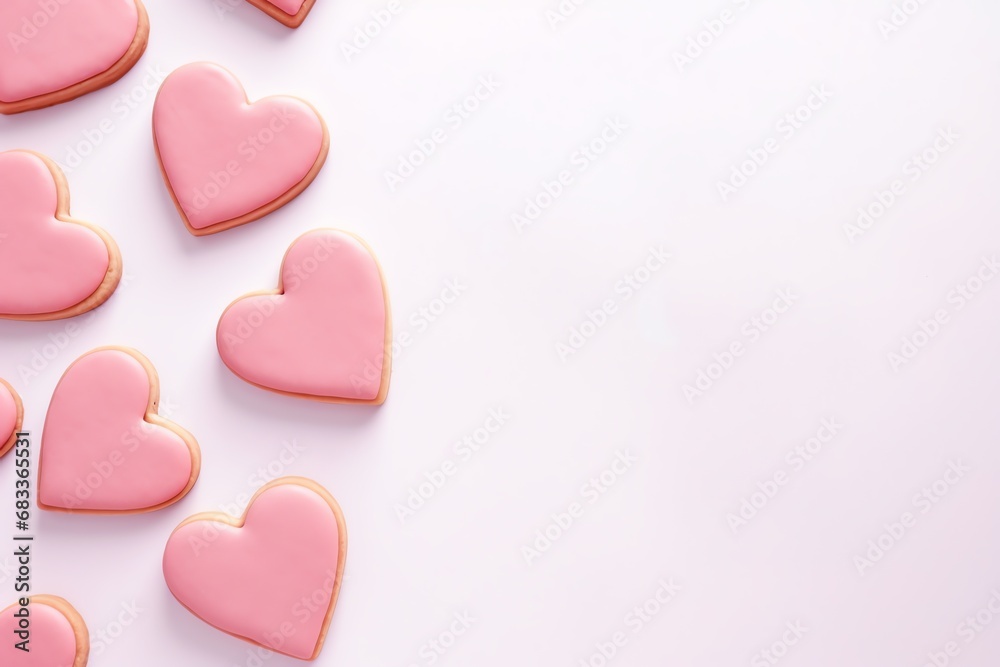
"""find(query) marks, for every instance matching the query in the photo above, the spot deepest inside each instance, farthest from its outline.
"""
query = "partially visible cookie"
(51, 265)
(290, 12)
(227, 161)
(56, 635)
(58, 50)
(104, 447)
(272, 577)
(11, 416)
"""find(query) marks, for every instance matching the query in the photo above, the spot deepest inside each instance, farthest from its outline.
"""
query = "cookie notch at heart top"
(227, 161)
(290, 12)
(290, 545)
(59, 266)
(104, 448)
(65, 52)
(324, 334)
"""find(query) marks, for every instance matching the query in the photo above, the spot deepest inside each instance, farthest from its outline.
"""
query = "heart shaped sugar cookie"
(11, 416)
(290, 12)
(51, 266)
(56, 636)
(324, 334)
(271, 578)
(58, 50)
(104, 449)
(226, 161)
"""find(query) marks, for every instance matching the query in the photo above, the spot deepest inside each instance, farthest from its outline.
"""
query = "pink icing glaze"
(290, 7)
(46, 265)
(258, 582)
(8, 415)
(325, 336)
(98, 453)
(224, 158)
(53, 642)
(49, 50)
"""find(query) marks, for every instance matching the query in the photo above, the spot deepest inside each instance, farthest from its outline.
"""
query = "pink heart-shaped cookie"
(104, 448)
(271, 578)
(324, 334)
(11, 416)
(51, 266)
(226, 161)
(56, 636)
(57, 50)
(290, 12)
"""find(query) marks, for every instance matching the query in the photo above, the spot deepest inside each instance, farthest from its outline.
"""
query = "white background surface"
(496, 345)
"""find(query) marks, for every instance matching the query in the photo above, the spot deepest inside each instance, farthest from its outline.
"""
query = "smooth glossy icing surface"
(223, 157)
(46, 265)
(51, 45)
(8, 415)
(52, 639)
(270, 581)
(97, 451)
(325, 336)
(291, 7)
